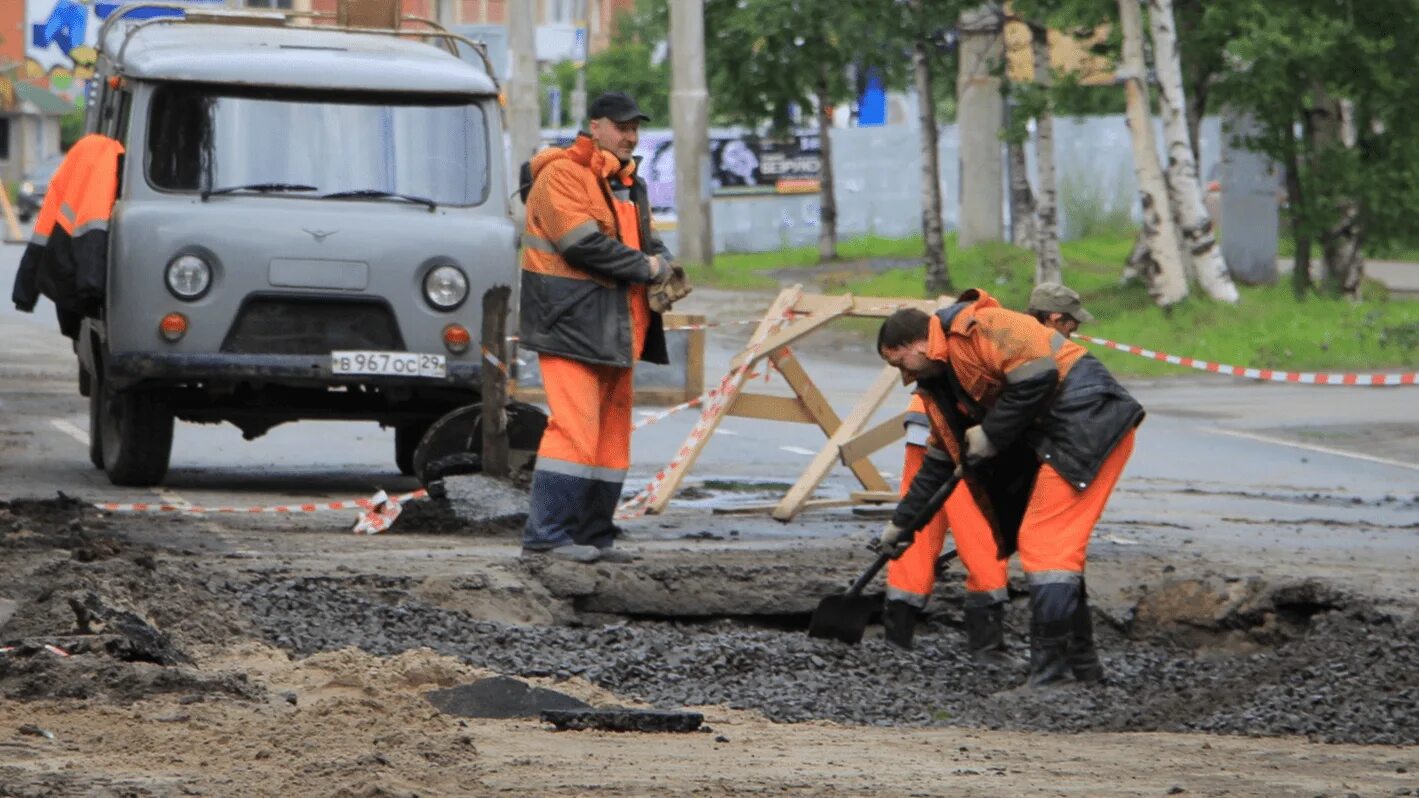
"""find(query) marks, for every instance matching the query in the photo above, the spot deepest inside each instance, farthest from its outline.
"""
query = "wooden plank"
(817, 404)
(793, 500)
(875, 497)
(873, 307)
(771, 408)
(811, 504)
(797, 328)
(494, 381)
(693, 446)
(860, 446)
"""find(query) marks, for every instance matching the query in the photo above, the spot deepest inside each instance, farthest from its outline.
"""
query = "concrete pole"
(979, 111)
(524, 124)
(446, 12)
(689, 117)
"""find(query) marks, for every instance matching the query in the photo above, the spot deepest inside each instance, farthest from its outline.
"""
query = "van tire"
(406, 440)
(136, 436)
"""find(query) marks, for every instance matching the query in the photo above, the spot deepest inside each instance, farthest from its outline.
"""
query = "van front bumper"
(125, 369)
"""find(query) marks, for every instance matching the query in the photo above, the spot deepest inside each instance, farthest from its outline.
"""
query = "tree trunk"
(938, 276)
(1340, 243)
(1049, 265)
(827, 202)
(1300, 234)
(1196, 227)
(1166, 282)
(1022, 199)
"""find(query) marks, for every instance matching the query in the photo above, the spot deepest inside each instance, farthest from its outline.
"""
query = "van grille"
(278, 326)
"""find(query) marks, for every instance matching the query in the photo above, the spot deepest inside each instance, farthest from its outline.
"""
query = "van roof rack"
(312, 20)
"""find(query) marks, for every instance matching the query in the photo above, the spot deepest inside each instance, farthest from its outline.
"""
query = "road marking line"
(69, 429)
(1313, 448)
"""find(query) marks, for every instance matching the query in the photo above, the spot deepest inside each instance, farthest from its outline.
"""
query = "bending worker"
(1044, 432)
(911, 577)
(589, 259)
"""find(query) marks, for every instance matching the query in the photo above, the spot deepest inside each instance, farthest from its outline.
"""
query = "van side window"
(179, 134)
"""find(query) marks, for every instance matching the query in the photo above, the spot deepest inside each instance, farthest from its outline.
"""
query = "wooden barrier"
(792, 317)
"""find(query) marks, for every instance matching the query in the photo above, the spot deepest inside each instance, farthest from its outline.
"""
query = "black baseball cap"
(616, 106)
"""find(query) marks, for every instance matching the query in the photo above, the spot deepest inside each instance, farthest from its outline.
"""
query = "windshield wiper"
(374, 193)
(260, 187)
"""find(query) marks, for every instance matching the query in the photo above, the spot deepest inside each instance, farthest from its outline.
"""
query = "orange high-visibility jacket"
(1023, 383)
(576, 267)
(67, 257)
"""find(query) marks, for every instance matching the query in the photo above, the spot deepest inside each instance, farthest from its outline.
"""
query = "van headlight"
(27, 188)
(189, 277)
(445, 287)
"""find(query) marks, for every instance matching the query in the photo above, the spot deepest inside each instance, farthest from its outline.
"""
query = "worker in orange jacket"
(1044, 432)
(67, 256)
(588, 259)
(911, 577)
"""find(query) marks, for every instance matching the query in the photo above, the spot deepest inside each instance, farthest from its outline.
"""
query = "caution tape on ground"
(1269, 375)
(304, 507)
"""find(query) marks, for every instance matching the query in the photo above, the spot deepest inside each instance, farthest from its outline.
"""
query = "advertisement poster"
(753, 165)
(61, 37)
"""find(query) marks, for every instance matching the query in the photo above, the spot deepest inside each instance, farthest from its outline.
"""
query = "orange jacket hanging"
(67, 257)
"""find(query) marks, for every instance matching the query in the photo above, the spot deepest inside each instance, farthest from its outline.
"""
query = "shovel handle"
(933, 506)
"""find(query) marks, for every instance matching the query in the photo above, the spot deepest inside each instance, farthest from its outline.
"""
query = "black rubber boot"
(1049, 654)
(985, 633)
(899, 623)
(1083, 656)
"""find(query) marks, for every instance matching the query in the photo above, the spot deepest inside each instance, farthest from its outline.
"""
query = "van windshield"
(203, 137)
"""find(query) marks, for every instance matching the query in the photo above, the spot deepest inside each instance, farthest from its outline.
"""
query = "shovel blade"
(842, 618)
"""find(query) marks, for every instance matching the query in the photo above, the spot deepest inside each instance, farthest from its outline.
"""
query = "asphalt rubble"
(1293, 659)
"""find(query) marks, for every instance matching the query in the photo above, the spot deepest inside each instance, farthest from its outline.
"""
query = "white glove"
(894, 541)
(978, 446)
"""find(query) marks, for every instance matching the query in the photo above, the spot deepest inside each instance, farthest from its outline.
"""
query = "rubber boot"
(985, 633)
(899, 623)
(1083, 656)
(1053, 605)
(1049, 654)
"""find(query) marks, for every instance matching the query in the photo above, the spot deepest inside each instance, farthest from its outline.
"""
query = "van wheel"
(95, 415)
(406, 440)
(136, 436)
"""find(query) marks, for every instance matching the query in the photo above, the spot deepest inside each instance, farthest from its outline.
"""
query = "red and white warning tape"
(1270, 375)
(305, 507)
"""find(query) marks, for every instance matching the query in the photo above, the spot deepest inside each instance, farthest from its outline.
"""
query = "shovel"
(844, 617)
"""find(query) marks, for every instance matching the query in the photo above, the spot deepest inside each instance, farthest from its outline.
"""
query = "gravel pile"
(1353, 676)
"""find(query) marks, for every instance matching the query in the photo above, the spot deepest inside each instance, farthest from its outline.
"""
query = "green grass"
(1270, 328)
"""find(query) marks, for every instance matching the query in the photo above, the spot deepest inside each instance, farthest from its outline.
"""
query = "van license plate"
(388, 364)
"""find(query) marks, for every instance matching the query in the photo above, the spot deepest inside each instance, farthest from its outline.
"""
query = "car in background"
(36, 184)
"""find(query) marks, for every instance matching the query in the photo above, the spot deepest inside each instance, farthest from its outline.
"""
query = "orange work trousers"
(911, 577)
(1054, 535)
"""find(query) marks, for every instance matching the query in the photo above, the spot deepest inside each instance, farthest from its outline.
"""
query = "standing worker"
(998, 387)
(911, 577)
(594, 280)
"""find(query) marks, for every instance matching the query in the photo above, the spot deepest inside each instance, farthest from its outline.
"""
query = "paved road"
(1258, 468)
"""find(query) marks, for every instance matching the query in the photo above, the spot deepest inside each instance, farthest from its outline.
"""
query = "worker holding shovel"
(1043, 431)
(911, 577)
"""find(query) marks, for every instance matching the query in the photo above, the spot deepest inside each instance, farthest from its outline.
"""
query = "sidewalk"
(1400, 277)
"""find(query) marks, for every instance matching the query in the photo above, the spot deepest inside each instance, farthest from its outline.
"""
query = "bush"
(1089, 208)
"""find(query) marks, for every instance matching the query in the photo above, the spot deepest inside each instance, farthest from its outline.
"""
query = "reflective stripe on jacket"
(578, 264)
(67, 257)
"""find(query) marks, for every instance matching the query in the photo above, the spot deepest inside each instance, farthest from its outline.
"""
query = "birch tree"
(938, 274)
(1195, 226)
(1166, 280)
(827, 194)
(1048, 262)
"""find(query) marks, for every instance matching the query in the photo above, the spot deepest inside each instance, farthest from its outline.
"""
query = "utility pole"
(524, 123)
(583, 51)
(446, 13)
(689, 116)
(979, 111)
